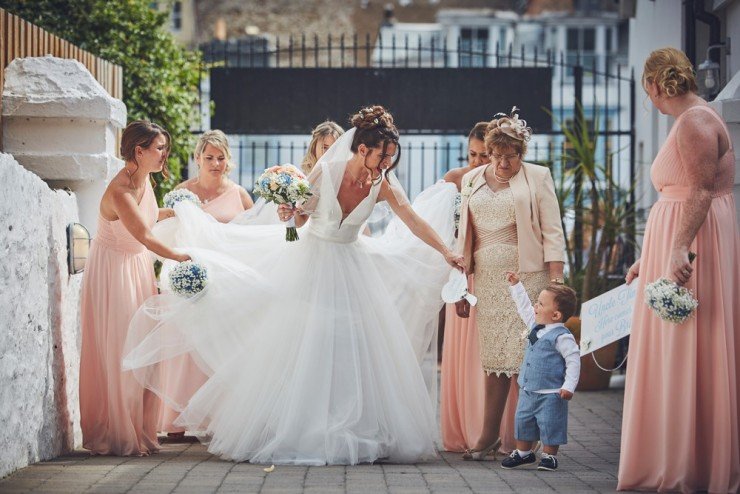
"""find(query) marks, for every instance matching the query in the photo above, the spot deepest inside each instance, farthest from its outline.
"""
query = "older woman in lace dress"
(510, 221)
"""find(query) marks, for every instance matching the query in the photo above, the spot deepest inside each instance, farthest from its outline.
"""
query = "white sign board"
(607, 317)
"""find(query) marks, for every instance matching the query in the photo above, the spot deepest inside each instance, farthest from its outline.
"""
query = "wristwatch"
(558, 281)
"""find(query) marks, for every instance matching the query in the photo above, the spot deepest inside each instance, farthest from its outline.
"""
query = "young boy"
(548, 376)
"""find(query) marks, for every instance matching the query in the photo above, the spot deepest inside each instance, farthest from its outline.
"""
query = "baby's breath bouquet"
(671, 302)
(284, 184)
(174, 196)
(188, 278)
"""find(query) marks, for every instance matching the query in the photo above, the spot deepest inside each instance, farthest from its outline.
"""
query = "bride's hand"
(455, 260)
(285, 212)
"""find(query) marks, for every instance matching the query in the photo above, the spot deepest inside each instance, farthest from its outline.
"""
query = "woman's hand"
(633, 272)
(455, 260)
(285, 212)
(182, 257)
(462, 308)
(680, 266)
(166, 213)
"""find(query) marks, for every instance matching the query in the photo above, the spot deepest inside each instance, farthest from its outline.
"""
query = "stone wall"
(39, 310)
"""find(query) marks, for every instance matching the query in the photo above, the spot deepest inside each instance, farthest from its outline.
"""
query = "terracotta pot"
(592, 378)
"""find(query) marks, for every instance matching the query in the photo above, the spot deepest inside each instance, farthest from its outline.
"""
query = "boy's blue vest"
(543, 366)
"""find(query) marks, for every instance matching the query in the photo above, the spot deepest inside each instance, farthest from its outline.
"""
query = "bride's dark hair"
(375, 127)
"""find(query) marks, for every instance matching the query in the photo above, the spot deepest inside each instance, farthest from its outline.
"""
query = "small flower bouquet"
(457, 206)
(284, 184)
(188, 278)
(174, 196)
(671, 302)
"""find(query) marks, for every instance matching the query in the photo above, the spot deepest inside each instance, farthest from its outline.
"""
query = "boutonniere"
(467, 189)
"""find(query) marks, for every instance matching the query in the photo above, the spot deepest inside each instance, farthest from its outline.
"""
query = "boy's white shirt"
(565, 344)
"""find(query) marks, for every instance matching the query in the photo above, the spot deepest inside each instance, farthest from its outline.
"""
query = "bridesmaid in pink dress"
(224, 200)
(681, 422)
(462, 377)
(118, 416)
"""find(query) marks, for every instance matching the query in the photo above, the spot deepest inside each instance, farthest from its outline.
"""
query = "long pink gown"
(462, 394)
(462, 386)
(118, 416)
(183, 376)
(681, 415)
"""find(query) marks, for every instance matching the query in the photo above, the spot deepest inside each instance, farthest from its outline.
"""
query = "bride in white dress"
(313, 347)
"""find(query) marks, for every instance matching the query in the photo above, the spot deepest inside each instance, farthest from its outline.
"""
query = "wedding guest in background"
(118, 416)
(681, 422)
(509, 221)
(221, 198)
(462, 378)
(322, 137)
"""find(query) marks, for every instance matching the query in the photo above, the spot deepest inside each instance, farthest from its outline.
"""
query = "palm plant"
(601, 209)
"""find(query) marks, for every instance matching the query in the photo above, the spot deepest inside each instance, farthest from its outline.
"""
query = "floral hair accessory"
(512, 125)
(376, 121)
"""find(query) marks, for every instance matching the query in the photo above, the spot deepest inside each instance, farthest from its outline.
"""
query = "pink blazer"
(539, 228)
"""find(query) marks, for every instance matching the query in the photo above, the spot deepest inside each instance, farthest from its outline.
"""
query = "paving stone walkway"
(588, 463)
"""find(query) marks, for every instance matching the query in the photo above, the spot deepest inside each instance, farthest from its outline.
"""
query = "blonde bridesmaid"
(322, 137)
(118, 416)
(221, 198)
(681, 420)
(224, 200)
(462, 377)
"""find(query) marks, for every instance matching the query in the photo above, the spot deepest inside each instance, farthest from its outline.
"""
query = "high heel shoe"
(480, 455)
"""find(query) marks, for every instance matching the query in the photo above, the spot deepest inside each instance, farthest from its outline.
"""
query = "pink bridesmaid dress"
(680, 427)
(118, 416)
(462, 382)
(183, 377)
(462, 393)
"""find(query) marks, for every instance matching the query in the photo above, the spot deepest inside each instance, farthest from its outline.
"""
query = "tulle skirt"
(315, 350)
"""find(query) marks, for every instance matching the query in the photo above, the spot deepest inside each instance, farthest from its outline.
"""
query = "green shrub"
(160, 77)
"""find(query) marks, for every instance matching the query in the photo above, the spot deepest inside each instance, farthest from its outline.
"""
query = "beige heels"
(480, 455)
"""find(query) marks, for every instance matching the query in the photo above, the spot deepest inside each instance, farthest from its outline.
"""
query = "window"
(580, 47)
(473, 47)
(176, 16)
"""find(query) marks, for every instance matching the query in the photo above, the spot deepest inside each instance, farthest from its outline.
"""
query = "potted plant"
(599, 226)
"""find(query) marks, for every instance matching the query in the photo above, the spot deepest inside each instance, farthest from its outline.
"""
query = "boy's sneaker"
(514, 460)
(548, 462)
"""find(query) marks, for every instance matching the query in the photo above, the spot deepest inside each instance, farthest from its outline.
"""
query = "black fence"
(596, 83)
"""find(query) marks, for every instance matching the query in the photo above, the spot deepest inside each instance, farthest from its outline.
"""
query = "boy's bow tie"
(533, 334)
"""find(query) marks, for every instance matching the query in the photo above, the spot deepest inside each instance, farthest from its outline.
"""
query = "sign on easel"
(607, 318)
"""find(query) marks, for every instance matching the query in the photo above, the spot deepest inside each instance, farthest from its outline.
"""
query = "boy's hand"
(565, 394)
(512, 278)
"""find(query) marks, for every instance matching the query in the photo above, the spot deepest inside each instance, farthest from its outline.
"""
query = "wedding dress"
(316, 350)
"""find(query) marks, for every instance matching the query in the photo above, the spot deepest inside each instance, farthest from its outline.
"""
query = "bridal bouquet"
(284, 184)
(188, 278)
(174, 196)
(671, 302)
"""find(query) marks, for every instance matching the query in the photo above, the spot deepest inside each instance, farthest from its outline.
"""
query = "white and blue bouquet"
(174, 196)
(284, 184)
(188, 278)
(671, 302)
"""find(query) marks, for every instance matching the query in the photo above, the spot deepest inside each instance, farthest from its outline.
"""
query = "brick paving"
(588, 463)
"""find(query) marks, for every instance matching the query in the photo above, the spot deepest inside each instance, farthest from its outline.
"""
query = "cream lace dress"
(502, 332)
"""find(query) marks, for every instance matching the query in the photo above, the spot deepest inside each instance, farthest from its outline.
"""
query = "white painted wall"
(60, 127)
(656, 24)
(60, 123)
(39, 332)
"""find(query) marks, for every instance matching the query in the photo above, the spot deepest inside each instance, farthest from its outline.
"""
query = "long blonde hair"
(322, 130)
(671, 70)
